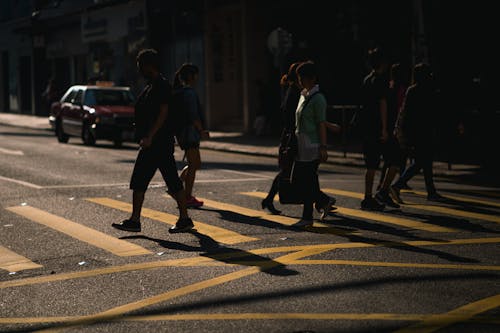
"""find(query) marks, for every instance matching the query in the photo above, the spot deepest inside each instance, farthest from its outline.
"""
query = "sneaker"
(193, 203)
(303, 223)
(327, 208)
(268, 204)
(128, 225)
(435, 197)
(372, 204)
(182, 225)
(384, 197)
(396, 194)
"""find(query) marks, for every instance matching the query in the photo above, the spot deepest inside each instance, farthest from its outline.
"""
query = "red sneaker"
(193, 203)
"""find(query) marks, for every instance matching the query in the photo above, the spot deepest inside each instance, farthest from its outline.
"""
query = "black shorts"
(157, 157)
(374, 150)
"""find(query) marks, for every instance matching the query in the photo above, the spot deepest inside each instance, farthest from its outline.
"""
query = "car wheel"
(87, 136)
(61, 136)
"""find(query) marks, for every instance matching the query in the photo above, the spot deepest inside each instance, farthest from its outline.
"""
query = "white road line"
(247, 173)
(11, 152)
(20, 182)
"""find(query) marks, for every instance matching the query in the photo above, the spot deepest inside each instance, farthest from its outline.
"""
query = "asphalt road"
(429, 267)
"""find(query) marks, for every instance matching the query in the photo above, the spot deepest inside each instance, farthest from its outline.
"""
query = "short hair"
(422, 73)
(376, 57)
(307, 69)
(148, 57)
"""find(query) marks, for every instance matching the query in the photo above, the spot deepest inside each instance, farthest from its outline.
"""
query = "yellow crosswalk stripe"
(218, 234)
(96, 238)
(457, 198)
(285, 220)
(430, 208)
(13, 262)
(375, 216)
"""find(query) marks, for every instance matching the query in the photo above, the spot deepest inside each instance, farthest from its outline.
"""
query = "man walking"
(156, 142)
(375, 129)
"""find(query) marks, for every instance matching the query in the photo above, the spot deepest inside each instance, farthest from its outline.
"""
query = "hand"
(205, 135)
(323, 154)
(384, 137)
(145, 142)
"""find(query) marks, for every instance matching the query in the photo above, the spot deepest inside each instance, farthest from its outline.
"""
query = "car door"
(73, 120)
(65, 112)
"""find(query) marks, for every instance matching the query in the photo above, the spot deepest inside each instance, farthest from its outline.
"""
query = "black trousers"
(306, 173)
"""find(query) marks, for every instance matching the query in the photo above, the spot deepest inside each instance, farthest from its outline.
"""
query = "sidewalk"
(249, 144)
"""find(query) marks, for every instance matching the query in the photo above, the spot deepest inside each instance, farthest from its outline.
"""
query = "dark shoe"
(128, 225)
(303, 223)
(268, 204)
(396, 194)
(372, 204)
(182, 225)
(435, 197)
(406, 187)
(384, 197)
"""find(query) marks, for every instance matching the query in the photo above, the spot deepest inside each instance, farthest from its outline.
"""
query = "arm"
(322, 137)
(146, 141)
(194, 114)
(334, 128)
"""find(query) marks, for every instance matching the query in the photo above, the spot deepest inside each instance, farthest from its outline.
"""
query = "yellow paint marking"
(457, 198)
(461, 314)
(220, 235)
(262, 215)
(430, 208)
(13, 262)
(204, 261)
(249, 316)
(393, 264)
(96, 238)
(376, 217)
(113, 313)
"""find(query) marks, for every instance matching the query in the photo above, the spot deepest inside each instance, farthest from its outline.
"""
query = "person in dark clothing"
(156, 142)
(194, 130)
(416, 130)
(290, 99)
(398, 84)
(375, 129)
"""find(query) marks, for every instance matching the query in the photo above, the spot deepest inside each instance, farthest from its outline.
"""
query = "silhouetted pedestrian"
(375, 128)
(416, 130)
(194, 130)
(156, 142)
(290, 99)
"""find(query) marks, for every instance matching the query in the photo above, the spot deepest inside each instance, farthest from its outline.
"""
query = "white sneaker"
(327, 208)
(304, 223)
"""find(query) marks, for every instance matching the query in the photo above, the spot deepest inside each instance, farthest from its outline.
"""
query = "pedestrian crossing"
(221, 229)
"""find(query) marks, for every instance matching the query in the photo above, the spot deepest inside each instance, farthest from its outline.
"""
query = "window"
(69, 96)
(108, 97)
(78, 97)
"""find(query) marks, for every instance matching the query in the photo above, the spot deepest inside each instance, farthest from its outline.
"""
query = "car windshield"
(108, 97)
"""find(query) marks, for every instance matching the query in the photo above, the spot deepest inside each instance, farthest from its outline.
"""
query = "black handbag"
(290, 187)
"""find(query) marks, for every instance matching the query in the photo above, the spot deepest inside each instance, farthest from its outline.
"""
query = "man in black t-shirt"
(375, 130)
(156, 142)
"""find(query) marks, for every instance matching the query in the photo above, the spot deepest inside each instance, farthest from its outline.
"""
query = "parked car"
(94, 113)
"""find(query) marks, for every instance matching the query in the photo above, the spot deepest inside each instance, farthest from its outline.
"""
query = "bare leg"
(137, 201)
(369, 177)
(194, 163)
(180, 197)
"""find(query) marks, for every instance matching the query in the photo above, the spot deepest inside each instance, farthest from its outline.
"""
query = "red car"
(94, 113)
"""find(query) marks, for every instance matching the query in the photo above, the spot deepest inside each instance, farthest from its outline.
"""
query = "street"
(428, 267)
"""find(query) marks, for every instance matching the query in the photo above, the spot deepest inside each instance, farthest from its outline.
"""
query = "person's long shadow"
(446, 221)
(482, 208)
(212, 249)
(405, 246)
(234, 217)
